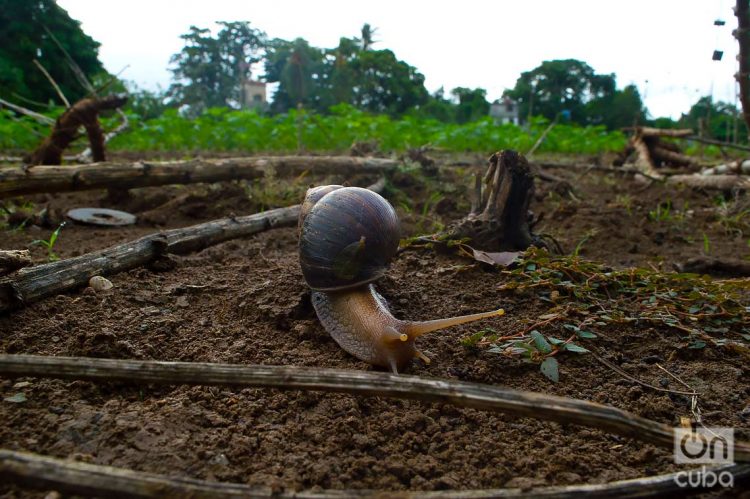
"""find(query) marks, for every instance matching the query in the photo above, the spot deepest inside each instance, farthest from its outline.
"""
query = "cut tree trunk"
(34, 283)
(14, 182)
(84, 113)
(742, 11)
(500, 220)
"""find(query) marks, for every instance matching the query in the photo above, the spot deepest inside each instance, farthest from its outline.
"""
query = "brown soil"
(251, 306)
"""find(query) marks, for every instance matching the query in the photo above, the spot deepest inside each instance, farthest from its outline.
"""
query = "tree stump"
(500, 219)
(84, 113)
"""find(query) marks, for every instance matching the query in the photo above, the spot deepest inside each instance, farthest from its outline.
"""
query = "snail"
(348, 236)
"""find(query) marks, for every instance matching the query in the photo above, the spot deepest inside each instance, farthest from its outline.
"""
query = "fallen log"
(84, 113)
(11, 260)
(34, 283)
(14, 181)
(712, 182)
(645, 131)
(462, 394)
(716, 267)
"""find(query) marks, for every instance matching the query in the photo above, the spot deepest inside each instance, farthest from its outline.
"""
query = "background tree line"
(211, 67)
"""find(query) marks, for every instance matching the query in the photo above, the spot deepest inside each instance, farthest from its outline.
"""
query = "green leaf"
(572, 347)
(18, 398)
(697, 345)
(550, 369)
(531, 267)
(555, 341)
(540, 341)
(585, 334)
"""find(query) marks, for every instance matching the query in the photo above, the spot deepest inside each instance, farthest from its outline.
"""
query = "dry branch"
(34, 283)
(712, 182)
(14, 182)
(84, 113)
(79, 478)
(645, 131)
(28, 112)
(461, 394)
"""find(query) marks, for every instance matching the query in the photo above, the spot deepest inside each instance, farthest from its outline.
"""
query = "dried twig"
(28, 112)
(470, 395)
(52, 82)
(79, 478)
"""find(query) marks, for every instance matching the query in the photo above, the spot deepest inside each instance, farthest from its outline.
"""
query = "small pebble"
(99, 283)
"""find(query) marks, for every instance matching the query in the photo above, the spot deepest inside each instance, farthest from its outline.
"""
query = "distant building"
(254, 94)
(504, 111)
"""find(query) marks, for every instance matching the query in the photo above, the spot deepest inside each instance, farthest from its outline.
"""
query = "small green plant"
(733, 216)
(662, 213)
(706, 245)
(50, 243)
(589, 234)
(626, 201)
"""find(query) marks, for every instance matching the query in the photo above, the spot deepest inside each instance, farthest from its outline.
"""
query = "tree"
(352, 73)
(560, 85)
(300, 71)
(616, 109)
(384, 84)
(210, 71)
(472, 104)
(719, 120)
(32, 30)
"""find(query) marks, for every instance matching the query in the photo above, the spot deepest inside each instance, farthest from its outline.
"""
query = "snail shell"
(347, 238)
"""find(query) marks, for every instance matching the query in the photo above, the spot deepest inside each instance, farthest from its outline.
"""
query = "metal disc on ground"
(101, 216)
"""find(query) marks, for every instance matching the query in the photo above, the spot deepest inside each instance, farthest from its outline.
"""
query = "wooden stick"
(470, 395)
(14, 182)
(28, 112)
(718, 143)
(34, 283)
(712, 182)
(645, 131)
(79, 478)
(52, 82)
(540, 139)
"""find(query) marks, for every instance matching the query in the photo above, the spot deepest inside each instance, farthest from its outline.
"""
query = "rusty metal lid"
(101, 216)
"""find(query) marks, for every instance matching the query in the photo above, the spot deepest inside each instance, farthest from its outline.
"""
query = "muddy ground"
(245, 301)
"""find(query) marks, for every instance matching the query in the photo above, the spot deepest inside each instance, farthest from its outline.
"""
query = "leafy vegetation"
(588, 299)
(222, 129)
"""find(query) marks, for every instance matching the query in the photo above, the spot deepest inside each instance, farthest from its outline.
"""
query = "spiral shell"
(347, 238)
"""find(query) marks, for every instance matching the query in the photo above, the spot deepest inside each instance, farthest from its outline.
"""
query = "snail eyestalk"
(419, 328)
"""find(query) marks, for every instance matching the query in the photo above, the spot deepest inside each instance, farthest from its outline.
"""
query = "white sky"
(662, 46)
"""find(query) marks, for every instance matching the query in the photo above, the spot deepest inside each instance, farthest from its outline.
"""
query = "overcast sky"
(662, 46)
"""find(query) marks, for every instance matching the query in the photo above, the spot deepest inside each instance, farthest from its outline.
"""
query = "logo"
(704, 446)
